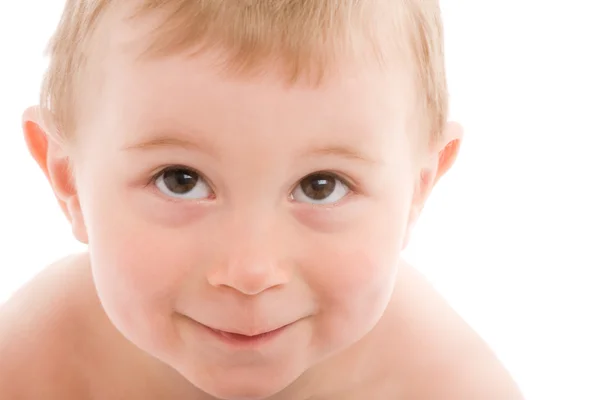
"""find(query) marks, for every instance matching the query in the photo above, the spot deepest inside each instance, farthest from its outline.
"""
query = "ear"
(440, 158)
(52, 157)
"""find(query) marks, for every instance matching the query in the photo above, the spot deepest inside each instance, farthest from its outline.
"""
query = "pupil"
(318, 187)
(180, 181)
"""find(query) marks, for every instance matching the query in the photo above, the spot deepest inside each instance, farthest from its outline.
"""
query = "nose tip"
(249, 251)
(250, 277)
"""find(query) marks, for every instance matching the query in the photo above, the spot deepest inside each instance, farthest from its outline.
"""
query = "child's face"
(244, 206)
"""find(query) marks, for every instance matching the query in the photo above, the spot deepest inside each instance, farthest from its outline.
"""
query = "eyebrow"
(166, 141)
(342, 151)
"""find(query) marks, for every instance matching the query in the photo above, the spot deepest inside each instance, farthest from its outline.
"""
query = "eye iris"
(180, 181)
(318, 187)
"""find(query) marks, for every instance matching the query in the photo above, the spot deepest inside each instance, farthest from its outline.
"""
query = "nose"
(249, 264)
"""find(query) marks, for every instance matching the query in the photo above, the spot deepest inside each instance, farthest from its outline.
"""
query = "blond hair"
(307, 35)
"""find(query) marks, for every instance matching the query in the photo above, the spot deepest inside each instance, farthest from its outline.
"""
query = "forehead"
(201, 93)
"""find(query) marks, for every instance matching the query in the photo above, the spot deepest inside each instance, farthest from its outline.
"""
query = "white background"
(511, 237)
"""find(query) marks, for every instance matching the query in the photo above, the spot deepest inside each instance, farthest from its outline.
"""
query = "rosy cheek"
(357, 272)
(135, 252)
(361, 261)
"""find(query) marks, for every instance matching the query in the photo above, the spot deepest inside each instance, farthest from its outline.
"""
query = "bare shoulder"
(40, 347)
(442, 356)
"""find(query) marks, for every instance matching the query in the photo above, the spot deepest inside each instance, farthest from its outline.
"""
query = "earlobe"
(77, 222)
(54, 162)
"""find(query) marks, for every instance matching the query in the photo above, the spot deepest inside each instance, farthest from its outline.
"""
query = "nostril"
(249, 279)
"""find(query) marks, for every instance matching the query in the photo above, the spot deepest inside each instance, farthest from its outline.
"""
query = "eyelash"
(352, 187)
(163, 170)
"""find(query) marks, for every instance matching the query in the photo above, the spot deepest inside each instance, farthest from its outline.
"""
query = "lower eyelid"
(178, 200)
(350, 197)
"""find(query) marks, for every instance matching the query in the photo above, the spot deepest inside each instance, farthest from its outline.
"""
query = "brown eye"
(320, 188)
(183, 183)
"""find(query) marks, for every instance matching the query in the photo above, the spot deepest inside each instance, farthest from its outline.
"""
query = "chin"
(238, 385)
(229, 389)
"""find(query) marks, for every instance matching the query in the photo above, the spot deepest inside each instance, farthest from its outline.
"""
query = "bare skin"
(57, 343)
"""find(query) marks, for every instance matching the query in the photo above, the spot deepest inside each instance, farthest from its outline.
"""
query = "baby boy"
(245, 175)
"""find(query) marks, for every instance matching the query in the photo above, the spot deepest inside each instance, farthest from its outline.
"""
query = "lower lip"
(242, 341)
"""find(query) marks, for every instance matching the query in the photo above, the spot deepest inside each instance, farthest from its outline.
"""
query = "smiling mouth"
(241, 339)
(239, 336)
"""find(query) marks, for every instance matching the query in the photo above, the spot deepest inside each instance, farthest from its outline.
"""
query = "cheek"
(142, 263)
(360, 270)
(138, 267)
(355, 271)
(353, 277)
